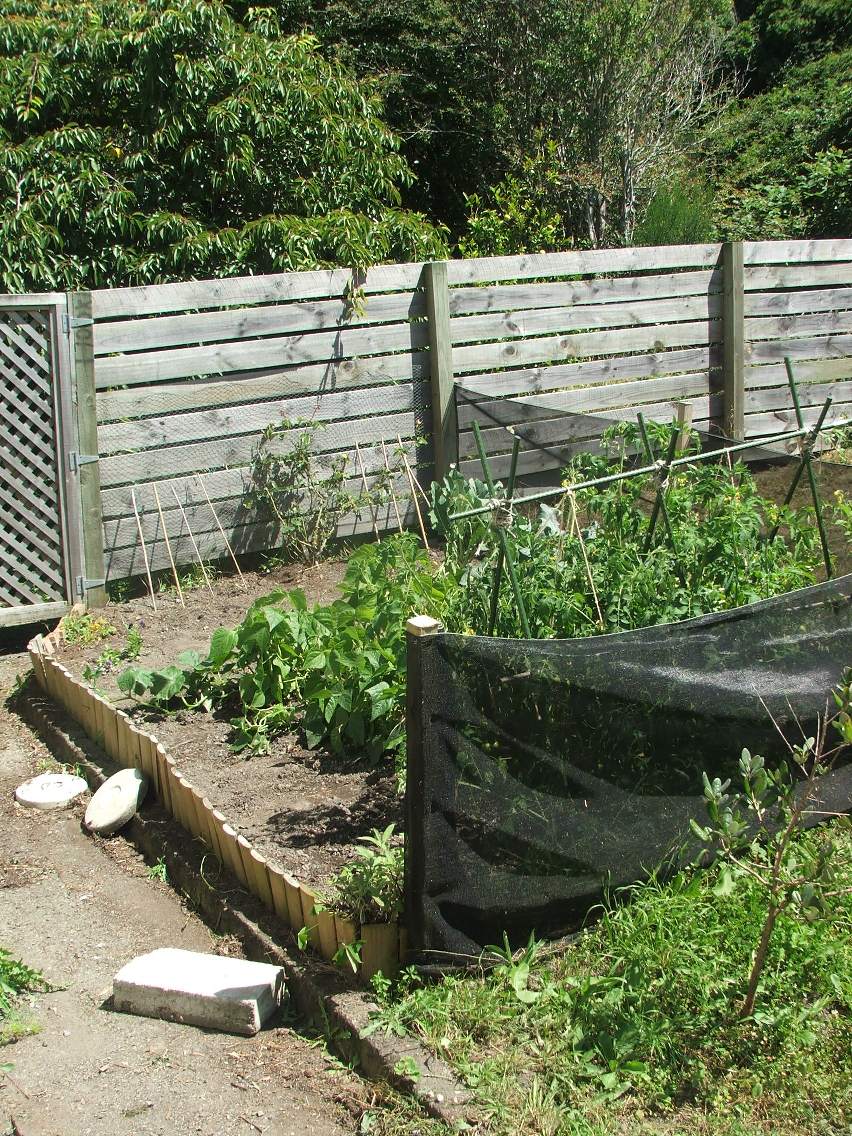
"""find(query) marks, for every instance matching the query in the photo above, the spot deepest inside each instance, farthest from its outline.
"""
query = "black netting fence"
(542, 772)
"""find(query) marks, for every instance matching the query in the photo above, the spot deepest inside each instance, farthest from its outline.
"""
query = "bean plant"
(588, 567)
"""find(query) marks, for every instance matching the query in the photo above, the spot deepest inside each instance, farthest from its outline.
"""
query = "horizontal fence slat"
(511, 325)
(566, 428)
(568, 375)
(761, 277)
(128, 469)
(150, 433)
(796, 252)
(810, 394)
(797, 326)
(487, 269)
(258, 386)
(597, 290)
(782, 303)
(247, 290)
(820, 370)
(247, 323)
(315, 347)
(484, 356)
(819, 347)
(762, 424)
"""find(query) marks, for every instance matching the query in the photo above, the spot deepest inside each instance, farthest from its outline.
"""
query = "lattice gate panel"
(32, 565)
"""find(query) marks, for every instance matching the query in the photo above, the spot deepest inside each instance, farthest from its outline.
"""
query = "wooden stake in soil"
(144, 549)
(575, 527)
(413, 492)
(194, 544)
(168, 546)
(367, 490)
(221, 530)
(390, 483)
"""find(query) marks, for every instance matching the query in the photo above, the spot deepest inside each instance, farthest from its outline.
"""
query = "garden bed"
(301, 808)
(304, 809)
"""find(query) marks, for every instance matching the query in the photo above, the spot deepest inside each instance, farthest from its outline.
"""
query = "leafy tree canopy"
(773, 35)
(147, 141)
(781, 162)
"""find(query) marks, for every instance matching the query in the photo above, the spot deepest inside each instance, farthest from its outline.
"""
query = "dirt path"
(78, 911)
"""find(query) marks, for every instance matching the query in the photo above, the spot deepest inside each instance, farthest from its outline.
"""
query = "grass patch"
(634, 1027)
(16, 979)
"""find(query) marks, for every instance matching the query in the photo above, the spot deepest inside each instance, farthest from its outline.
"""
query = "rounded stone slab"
(227, 994)
(116, 802)
(50, 791)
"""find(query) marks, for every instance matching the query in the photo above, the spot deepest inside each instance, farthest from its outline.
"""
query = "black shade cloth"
(543, 771)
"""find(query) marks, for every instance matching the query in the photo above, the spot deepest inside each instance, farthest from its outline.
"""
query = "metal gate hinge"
(76, 459)
(75, 321)
(84, 584)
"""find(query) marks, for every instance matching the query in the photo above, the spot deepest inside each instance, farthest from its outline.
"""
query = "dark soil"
(305, 810)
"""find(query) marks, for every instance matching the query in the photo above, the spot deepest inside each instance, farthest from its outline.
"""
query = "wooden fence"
(174, 384)
(612, 332)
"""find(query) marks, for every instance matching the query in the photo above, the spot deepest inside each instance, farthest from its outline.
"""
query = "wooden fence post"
(80, 329)
(733, 332)
(444, 422)
(419, 630)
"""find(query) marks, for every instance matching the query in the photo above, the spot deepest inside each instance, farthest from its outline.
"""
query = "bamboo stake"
(404, 456)
(575, 527)
(392, 491)
(194, 544)
(367, 490)
(168, 546)
(144, 549)
(221, 530)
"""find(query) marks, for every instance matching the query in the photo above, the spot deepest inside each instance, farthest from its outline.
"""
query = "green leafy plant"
(587, 564)
(113, 657)
(82, 628)
(16, 978)
(336, 670)
(752, 829)
(158, 871)
(370, 888)
(306, 499)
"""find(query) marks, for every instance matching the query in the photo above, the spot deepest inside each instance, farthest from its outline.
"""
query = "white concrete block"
(231, 995)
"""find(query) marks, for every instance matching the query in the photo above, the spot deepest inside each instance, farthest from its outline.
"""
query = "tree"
(781, 161)
(616, 90)
(152, 141)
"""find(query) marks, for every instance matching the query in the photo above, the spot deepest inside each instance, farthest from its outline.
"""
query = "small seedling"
(159, 871)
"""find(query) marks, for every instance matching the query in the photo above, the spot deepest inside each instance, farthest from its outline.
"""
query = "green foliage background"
(162, 140)
(148, 141)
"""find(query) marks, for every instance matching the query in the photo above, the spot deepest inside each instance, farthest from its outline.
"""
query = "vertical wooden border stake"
(81, 328)
(733, 346)
(444, 419)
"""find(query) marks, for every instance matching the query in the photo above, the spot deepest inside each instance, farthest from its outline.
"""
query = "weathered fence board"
(594, 290)
(530, 322)
(246, 291)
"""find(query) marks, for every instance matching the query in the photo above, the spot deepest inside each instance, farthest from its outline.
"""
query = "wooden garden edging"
(294, 903)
